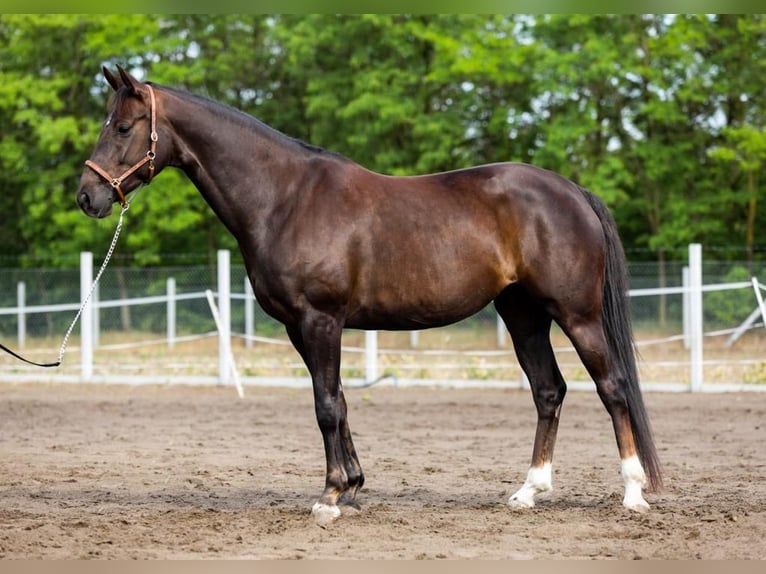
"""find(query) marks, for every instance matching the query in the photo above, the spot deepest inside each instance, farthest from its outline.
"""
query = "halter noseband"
(116, 182)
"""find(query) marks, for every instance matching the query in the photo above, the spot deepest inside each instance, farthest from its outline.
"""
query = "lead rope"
(65, 342)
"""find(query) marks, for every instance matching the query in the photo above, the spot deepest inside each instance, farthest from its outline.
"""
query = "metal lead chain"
(108, 256)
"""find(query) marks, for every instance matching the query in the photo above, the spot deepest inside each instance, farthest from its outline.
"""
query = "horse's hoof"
(324, 514)
(634, 499)
(520, 503)
(641, 507)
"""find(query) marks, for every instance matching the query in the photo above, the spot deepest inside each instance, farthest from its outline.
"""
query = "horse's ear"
(129, 80)
(113, 81)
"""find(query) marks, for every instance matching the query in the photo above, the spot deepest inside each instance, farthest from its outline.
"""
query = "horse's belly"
(420, 305)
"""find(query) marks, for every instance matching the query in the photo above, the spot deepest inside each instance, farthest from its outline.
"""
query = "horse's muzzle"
(95, 204)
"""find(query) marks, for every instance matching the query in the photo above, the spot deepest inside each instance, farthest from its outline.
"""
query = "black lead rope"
(65, 342)
(20, 358)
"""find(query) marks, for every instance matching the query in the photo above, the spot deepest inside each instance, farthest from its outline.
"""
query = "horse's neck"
(239, 168)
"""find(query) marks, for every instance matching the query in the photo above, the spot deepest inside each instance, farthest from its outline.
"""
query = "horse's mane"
(241, 118)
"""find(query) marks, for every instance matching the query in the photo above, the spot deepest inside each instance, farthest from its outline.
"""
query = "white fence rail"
(692, 335)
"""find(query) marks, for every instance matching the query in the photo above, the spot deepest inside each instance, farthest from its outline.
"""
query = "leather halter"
(116, 182)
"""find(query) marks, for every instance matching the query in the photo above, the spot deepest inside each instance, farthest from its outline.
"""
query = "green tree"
(364, 83)
(51, 112)
(580, 101)
(660, 115)
(737, 52)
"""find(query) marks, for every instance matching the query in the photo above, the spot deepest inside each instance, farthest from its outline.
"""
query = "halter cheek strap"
(116, 182)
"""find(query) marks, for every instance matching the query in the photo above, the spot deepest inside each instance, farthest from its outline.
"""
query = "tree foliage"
(660, 115)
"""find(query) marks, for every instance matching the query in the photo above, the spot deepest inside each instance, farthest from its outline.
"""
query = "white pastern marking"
(634, 479)
(539, 479)
(324, 514)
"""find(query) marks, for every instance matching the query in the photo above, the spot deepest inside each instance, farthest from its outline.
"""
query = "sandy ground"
(194, 472)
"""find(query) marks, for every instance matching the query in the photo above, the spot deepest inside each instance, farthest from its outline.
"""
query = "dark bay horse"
(330, 245)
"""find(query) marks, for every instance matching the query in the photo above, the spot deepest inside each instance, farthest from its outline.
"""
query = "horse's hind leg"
(588, 338)
(529, 325)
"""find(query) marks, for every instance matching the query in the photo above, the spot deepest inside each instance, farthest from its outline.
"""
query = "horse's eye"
(123, 129)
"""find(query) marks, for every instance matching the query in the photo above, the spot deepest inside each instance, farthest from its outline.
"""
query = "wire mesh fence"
(134, 341)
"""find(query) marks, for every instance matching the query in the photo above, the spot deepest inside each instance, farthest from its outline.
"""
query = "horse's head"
(124, 157)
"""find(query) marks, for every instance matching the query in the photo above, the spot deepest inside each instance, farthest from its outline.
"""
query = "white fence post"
(249, 313)
(21, 297)
(695, 316)
(170, 289)
(759, 297)
(224, 311)
(502, 341)
(685, 312)
(86, 320)
(370, 356)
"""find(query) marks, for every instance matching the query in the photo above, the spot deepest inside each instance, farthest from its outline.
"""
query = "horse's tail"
(619, 335)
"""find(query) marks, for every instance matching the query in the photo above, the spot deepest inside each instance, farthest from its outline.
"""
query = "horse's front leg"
(318, 340)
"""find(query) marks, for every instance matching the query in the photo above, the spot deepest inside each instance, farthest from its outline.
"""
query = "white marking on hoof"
(634, 479)
(538, 480)
(324, 514)
(641, 507)
(516, 502)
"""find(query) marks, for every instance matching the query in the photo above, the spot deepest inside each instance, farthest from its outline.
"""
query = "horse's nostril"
(83, 200)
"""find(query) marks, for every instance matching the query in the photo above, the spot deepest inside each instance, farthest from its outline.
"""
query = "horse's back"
(531, 213)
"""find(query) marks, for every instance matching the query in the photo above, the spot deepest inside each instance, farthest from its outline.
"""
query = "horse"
(329, 245)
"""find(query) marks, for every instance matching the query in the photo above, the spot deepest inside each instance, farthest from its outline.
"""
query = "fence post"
(170, 289)
(249, 313)
(370, 356)
(759, 297)
(695, 316)
(86, 320)
(685, 312)
(224, 311)
(21, 297)
(502, 341)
